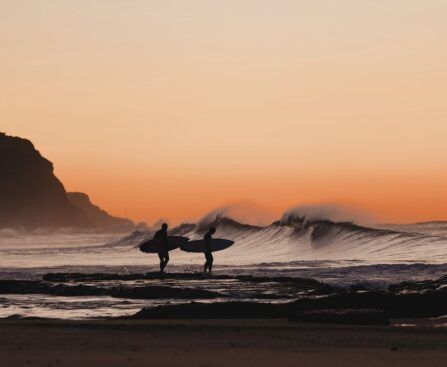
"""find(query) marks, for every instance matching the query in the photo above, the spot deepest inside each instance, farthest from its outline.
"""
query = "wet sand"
(217, 343)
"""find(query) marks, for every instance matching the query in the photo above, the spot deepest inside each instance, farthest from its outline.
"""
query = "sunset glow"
(169, 109)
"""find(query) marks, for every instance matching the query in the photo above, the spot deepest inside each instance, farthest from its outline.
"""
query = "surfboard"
(154, 246)
(217, 244)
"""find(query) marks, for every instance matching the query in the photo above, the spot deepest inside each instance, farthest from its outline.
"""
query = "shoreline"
(191, 296)
(209, 342)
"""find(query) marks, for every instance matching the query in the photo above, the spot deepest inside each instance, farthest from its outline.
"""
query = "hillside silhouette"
(32, 196)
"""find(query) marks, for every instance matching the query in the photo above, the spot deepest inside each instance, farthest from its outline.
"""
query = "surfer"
(163, 254)
(208, 255)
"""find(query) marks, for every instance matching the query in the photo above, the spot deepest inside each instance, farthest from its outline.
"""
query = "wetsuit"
(208, 255)
(162, 235)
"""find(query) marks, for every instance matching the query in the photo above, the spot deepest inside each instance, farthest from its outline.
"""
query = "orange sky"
(172, 108)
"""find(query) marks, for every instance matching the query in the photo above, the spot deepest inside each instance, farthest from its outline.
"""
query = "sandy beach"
(217, 343)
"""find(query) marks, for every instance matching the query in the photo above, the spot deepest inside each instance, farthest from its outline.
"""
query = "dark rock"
(400, 302)
(23, 287)
(78, 290)
(29, 318)
(159, 292)
(83, 277)
(303, 284)
(431, 304)
(419, 287)
(342, 316)
(133, 292)
(285, 287)
(218, 310)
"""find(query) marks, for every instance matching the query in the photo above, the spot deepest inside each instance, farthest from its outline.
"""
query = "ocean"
(340, 254)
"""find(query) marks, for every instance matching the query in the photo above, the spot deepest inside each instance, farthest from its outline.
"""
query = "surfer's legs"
(160, 256)
(205, 267)
(166, 259)
(209, 262)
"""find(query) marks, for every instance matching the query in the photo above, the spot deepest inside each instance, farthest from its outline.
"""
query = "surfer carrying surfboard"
(163, 254)
(208, 255)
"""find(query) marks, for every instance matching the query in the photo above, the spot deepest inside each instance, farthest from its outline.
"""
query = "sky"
(171, 108)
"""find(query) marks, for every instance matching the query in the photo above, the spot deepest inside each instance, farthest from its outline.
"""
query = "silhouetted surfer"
(162, 235)
(208, 255)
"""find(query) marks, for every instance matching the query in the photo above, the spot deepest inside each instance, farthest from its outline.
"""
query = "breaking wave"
(298, 239)
(292, 239)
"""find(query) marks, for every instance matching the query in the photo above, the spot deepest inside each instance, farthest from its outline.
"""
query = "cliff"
(95, 215)
(31, 195)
